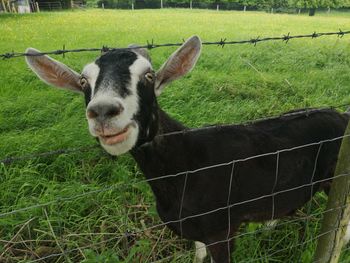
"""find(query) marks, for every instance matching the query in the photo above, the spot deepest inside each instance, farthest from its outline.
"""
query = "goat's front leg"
(221, 252)
(347, 235)
(221, 245)
(201, 252)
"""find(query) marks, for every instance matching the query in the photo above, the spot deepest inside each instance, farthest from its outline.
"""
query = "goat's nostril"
(92, 114)
(104, 111)
(114, 111)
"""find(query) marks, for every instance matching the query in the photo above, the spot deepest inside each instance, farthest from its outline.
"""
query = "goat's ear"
(53, 72)
(179, 63)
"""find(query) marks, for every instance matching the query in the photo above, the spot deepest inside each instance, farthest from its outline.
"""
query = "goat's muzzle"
(109, 138)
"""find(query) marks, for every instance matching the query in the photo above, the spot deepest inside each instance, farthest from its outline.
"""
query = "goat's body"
(208, 189)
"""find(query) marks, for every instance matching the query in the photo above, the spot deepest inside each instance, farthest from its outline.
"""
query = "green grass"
(229, 85)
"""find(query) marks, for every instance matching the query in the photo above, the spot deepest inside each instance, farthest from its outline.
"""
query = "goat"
(121, 90)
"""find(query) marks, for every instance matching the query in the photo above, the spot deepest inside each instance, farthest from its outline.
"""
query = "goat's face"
(120, 90)
(115, 86)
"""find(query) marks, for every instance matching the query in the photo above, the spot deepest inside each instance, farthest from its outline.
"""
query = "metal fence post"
(337, 215)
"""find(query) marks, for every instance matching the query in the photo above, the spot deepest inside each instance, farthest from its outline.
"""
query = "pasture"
(233, 84)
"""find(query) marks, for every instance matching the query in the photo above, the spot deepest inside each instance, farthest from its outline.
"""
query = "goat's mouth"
(117, 137)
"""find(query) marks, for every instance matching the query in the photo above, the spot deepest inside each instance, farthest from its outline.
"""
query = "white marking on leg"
(347, 234)
(201, 252)
(270, 225)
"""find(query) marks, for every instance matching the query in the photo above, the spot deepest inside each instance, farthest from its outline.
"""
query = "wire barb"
(222, 42)
(104, 49)
(315, 35)
(150, 45)
(255, 40)
(340, 33)
(286, 38)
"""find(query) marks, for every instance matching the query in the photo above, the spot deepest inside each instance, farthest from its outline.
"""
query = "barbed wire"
(307, 111)
(151, 45)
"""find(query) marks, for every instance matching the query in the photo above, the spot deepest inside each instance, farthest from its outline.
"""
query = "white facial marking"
(201, 252)
(106, 94)
(91, 72)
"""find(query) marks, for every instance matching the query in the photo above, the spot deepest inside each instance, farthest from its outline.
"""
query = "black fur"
(87, 95)
(114, 67)
(147, 116)
(208, 189)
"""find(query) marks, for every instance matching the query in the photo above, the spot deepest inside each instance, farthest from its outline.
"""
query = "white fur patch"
(270, 225)
(91, 72)
(109, 97)
(139, 67)
(125, 146)
(201, 252)
(347, 235)
(131, 102)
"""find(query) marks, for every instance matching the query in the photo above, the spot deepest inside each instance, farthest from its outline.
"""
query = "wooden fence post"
(4, 6)
(337, 215)
(37, 7)
(8, 6)
(14, 10)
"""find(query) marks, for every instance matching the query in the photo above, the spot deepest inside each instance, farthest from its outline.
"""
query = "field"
(233, 84)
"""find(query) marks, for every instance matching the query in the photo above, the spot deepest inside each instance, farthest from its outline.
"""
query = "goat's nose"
(104, 111)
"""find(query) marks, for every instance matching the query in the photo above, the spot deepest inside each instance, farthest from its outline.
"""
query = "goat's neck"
(157, 158)
(167, 124)
(154, 157)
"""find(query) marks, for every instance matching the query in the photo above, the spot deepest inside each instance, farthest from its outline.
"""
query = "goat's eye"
(149, 76)
(83, 82)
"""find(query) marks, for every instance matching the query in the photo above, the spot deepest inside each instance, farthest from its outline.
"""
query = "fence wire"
(151, 45)
(192, 172)
(259, 230)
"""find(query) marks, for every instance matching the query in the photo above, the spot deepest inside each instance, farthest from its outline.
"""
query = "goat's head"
(120, 90)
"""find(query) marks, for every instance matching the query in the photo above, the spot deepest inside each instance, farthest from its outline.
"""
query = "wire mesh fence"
(61, 201)
(59, 246)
